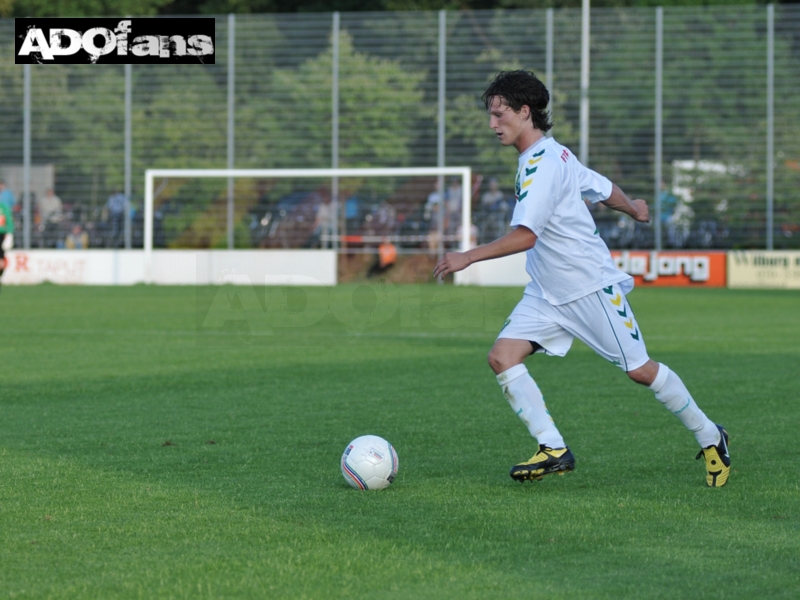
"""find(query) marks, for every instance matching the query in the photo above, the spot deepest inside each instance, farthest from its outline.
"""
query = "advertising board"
(764, 269)
(674, 268)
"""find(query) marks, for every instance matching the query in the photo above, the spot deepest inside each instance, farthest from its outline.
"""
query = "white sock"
(527, 401)
(671, 392)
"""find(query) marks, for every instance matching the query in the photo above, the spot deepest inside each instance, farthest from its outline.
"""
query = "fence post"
(584, 110)
(26, 158)
(440, 160)
(128, 153)
(548, 59)
(770, 123)
(231, 120)
(659, 118)
(335, 131)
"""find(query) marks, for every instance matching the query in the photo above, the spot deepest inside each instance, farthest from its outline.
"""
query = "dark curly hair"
(518, 89)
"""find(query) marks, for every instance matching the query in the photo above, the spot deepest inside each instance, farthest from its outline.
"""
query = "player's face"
(509, 125)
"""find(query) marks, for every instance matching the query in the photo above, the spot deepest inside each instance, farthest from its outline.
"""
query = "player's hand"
(450, 263)
(642, 212)
(8, 241)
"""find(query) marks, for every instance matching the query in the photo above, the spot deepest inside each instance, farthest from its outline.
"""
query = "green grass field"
(146, 454)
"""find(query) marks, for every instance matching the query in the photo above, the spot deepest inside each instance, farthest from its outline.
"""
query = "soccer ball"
(369, 463)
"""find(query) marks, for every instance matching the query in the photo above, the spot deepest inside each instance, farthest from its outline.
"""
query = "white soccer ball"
(369, 463)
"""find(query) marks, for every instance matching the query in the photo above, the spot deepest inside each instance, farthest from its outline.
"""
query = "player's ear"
(525, 112)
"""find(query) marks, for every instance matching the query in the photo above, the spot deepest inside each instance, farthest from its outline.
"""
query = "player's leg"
(670, 390)
(526, 400)
(506, 357)
(605, 321)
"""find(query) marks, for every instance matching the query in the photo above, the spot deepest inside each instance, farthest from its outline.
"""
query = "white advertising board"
(505, 271)
(171, 267)
(764, 269)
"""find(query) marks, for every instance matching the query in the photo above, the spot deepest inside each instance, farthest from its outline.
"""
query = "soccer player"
(576, 289)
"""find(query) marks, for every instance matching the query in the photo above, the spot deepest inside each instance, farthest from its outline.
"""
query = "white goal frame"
(151, 174)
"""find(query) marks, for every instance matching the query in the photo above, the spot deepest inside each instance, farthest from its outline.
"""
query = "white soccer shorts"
(603, 320)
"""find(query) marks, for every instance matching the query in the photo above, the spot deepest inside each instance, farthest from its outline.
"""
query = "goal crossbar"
(151, 174)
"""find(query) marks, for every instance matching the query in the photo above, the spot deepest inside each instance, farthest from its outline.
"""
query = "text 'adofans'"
(115, 41)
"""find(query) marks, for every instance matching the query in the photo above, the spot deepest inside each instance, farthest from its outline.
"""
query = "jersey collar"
(541, 140)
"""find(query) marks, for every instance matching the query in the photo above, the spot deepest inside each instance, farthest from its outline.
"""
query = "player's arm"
(637, 208)
(596, 188)
(520, 239)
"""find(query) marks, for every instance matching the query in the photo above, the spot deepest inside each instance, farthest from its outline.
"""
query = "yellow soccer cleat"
(544, 462)
(718, 460)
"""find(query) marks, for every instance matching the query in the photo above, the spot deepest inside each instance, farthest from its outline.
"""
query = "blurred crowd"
(55, 224)
(421, 216)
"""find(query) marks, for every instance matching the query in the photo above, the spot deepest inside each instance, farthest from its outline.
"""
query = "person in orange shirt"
(387, 256)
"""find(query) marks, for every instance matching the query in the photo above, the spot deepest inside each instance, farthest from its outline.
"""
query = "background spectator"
(324, 224)
(50, 217)
(494, 213)
(387, 256)
(453, 202)
(50, 207)
(7, 196)
(77, 239)
(116, 205)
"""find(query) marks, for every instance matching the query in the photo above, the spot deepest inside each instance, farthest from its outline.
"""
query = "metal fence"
(695, 109)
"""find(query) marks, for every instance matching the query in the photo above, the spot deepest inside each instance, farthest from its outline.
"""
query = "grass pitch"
(146, 452)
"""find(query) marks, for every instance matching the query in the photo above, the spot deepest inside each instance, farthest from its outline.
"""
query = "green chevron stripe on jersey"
(617, 302)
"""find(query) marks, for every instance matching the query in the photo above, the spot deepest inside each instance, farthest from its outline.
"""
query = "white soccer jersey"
(569, 259)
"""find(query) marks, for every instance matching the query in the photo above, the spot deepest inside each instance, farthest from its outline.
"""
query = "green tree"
(81, 8)
(715, 109)
(294, 6)
(470, 141)
(378, 101)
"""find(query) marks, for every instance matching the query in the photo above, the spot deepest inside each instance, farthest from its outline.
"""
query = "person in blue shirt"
(7, 196)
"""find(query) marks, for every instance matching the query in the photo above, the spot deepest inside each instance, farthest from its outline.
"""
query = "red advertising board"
(673, 268)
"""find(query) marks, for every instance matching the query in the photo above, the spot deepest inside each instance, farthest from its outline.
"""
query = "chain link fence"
(728, 175)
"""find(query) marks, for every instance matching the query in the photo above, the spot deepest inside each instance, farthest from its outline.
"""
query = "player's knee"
(637, 376)
(495, 361)
(500, 360)
(646, 374)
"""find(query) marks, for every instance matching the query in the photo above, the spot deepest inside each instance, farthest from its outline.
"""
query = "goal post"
(153, 175)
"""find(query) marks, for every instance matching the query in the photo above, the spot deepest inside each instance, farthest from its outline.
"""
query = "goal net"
(417, 210)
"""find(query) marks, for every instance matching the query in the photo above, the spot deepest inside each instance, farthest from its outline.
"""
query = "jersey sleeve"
(594, 187)
(538, 181)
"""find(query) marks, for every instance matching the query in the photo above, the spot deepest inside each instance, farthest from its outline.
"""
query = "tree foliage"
(96, 8)
(714, 92)
(81, 8)
(372, 131)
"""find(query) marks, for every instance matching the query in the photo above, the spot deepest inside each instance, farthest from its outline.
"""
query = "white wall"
(171, 267)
